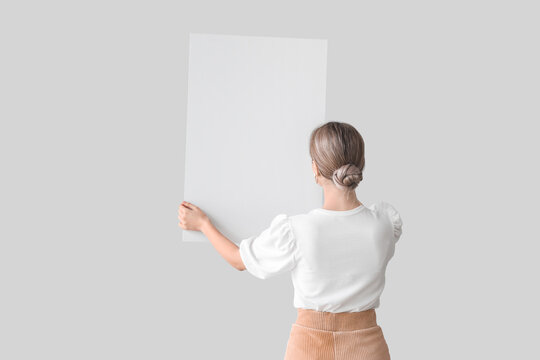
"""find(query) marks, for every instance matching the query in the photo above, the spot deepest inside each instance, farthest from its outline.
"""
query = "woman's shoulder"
(303, 220)
(384, 210)
(382, 206)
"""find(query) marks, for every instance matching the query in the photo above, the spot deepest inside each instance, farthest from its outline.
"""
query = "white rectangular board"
(252, 104)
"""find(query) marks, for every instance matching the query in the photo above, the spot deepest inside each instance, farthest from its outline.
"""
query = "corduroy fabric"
(319, 335)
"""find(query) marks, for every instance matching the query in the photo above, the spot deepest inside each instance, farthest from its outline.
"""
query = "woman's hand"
(191, 217)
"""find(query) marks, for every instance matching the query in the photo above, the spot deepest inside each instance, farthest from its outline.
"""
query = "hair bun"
(347, 177)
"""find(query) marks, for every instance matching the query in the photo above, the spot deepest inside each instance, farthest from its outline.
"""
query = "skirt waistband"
(342, 321)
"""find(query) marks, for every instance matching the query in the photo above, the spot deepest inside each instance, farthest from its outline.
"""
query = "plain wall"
(93, 107)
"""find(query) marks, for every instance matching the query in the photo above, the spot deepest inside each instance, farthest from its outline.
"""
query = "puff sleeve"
(272, 252)
(395, 219)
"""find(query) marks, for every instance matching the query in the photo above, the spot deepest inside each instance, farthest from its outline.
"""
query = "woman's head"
(337, 150)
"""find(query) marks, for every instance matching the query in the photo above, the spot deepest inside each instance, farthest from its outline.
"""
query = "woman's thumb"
(189, 205)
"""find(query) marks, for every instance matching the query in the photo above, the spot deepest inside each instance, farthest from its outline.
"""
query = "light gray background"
(251, 102)
(93, 106)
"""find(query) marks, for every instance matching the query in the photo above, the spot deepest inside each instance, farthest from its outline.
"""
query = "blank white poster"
(252, 104)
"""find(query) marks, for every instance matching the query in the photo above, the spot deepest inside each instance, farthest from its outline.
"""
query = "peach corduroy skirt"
(318, 335)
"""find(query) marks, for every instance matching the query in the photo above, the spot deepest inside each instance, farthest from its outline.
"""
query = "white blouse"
(337, 259)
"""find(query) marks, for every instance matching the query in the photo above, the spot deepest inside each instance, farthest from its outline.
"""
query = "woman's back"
(337, 259)
(342, 257)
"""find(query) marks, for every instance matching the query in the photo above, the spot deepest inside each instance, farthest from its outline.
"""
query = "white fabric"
(337, 259)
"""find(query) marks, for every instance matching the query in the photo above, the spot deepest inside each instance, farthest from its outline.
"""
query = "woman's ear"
(314, 167)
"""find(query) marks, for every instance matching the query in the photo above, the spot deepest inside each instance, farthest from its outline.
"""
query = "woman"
(337, 254)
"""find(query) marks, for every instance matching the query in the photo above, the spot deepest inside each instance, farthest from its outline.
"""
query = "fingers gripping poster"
(252, 104)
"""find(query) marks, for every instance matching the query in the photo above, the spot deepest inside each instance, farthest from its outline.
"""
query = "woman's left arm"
(193, 218)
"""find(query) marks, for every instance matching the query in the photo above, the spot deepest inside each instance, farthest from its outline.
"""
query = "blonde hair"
(338, 151)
